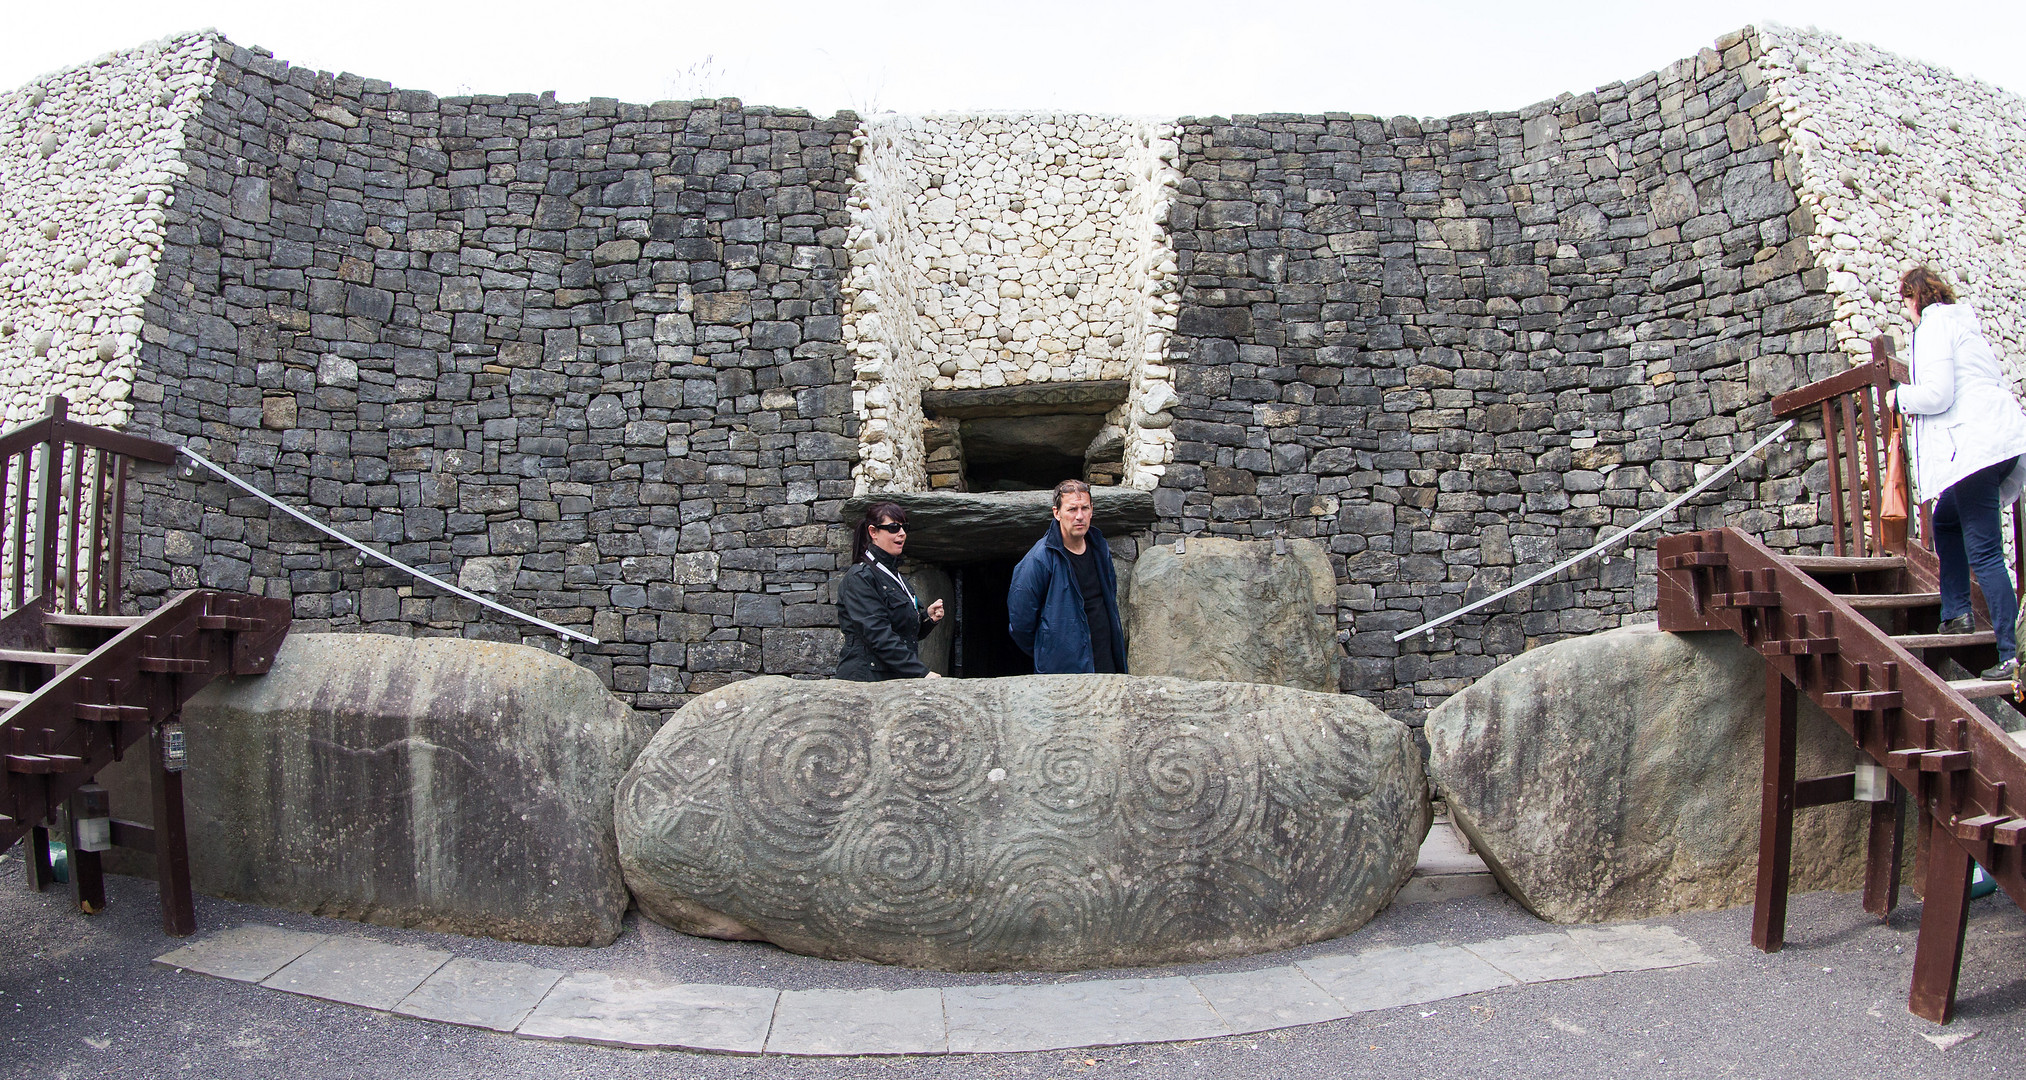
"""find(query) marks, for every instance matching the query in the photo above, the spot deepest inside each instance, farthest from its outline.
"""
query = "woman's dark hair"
(879, 513)
(1923, 286)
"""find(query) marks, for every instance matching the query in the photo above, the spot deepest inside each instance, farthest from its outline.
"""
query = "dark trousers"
(1967, 541)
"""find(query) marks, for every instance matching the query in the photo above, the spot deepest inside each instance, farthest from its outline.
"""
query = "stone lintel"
(1027, 399)
(972, 527)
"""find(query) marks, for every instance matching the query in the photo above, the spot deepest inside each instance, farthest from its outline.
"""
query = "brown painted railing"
(1852, 408)
(64, 504)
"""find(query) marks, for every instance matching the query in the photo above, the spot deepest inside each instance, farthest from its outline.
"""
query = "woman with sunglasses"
(883, 622)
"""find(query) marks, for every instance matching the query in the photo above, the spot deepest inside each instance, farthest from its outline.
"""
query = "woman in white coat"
(1968, 436)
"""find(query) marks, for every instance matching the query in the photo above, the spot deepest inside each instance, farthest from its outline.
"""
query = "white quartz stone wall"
(87, 160)
(995, 250)
(1905, 163)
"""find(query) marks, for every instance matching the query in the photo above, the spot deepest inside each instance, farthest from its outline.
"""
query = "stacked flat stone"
(1455, 350)
(1902, 164)
(89, 157)
(1000, 250)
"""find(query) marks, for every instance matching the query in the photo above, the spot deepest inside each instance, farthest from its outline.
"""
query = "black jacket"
(882, 627)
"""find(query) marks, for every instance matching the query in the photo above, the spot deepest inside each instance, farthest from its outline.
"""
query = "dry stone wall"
(88, 160)
(621, 365)
(584, 358)
(1455, 351)
(1904, 164)
(1005, 250)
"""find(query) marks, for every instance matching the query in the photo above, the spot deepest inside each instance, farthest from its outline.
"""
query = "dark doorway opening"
(984, 648)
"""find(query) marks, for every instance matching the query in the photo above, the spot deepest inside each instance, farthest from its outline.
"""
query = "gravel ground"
(78, 998)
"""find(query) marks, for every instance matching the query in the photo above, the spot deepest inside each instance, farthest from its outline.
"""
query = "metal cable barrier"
(1601, 545)
(390, 560)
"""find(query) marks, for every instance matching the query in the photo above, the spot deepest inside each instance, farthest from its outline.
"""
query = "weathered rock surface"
(1046, 822)
(456, 785)
(966, 527)
(1233, 611)
(1617, 776)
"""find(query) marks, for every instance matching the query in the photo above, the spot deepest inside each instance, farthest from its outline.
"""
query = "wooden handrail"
(63, 512)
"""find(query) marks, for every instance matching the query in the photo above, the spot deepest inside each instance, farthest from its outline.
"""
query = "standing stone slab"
(1043, 822)
(461, 786)
(479, 993)
(813, 1022)
(593, 1007)
(1234, 611)
(1388, 978)
(243, 954)
(1268, 999)
(1006, 1019)
(1617, 776)
(354, 971)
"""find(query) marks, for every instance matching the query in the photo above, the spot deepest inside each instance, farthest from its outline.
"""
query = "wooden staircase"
(81, 684)
(1857, 631)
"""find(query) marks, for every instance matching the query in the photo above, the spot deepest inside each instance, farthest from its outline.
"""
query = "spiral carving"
(1045, 822)
(793, 772)
(898, 867)
(1188, 786)
(940, 747)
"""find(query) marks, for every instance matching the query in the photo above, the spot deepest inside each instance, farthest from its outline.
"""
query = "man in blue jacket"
(1063, 605)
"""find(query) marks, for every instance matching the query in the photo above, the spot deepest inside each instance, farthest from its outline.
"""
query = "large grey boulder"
(1045, 822)
(1617, 776)
(1233, 611)
(461, 786)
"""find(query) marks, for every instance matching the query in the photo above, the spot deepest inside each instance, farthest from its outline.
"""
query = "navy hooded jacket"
(1045, 608)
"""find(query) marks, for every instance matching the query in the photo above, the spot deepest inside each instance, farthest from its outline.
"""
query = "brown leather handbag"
(1892, 511)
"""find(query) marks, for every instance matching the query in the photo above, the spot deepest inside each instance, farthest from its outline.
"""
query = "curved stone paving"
(595, 1007)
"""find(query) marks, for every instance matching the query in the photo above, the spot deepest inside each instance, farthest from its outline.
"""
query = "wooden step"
(11, 698)
(1890, 601)
(46, 659)
(1911, 642)
(1846, 564)
(175, 665)
(34, 764)
(1981, 688)
(95, 622)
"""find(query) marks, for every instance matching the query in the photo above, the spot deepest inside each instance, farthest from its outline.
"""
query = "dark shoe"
(1961, 624)
(2003, 671)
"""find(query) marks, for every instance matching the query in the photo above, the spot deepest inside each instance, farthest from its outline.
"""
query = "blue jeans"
(1967, 540)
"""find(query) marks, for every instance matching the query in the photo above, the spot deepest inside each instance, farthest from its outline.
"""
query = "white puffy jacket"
(1965, 416)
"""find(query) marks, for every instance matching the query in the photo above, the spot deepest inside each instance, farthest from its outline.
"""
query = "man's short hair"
(1068, 487)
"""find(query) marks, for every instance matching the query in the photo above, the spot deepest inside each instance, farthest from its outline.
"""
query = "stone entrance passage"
(983, 648)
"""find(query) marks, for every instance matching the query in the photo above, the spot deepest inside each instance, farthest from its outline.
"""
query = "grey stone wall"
(1457, 351)
(586, 359)
(582, 357)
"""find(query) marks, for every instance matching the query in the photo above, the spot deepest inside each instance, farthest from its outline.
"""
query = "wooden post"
(1776, 813)
(40, 873)
(46, 505)
(1882, 854)
(172, 854)
(1944, 915)
(87, 869)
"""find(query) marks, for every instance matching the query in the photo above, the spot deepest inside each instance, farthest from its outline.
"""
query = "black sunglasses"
(890, 527)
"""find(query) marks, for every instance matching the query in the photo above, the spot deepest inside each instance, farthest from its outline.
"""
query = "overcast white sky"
(1174, 57)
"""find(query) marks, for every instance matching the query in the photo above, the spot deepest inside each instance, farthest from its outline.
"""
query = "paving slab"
(355, 971)
(816, 1022)
(593, 1007)
(1538, 957)
(247, 953)
(1270, 998)
(994, 1019)
(480, 993)
(1387, 978)
(1636, 947)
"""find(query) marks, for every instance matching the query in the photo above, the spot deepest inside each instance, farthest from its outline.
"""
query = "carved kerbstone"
(1049, 822)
